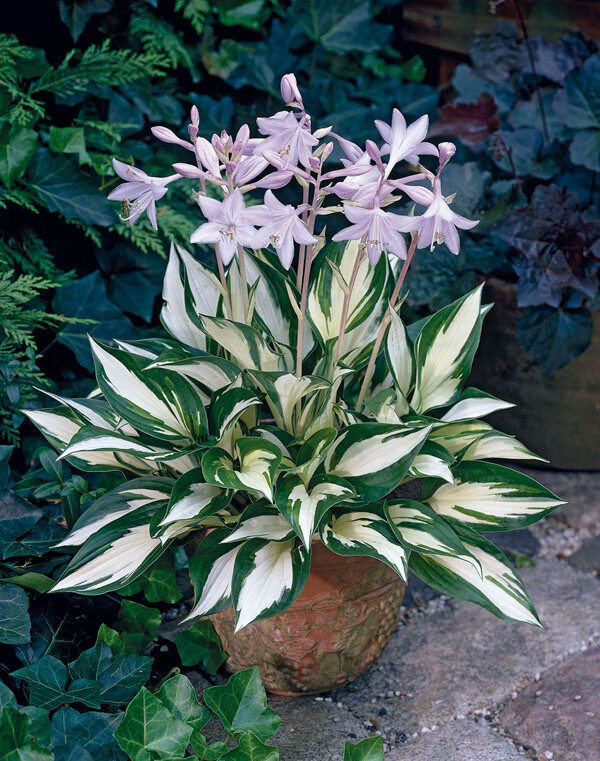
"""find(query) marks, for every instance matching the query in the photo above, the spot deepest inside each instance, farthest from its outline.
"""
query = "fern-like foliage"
(195, 11)
(102, 66)
(160, 39)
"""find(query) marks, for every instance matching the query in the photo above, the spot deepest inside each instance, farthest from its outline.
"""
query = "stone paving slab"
(448, 664)
(560, 714)
(465, 740)
(463, 658)
(580, 489)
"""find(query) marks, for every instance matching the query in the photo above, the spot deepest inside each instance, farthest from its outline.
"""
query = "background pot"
(334, 631)
(558, 415)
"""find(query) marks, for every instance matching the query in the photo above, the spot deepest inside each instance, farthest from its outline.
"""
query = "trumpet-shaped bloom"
(382, 229)
(287, 136)
(225, 226)
(438, 224)
(139, 192)
(280, 225)
(404, 142)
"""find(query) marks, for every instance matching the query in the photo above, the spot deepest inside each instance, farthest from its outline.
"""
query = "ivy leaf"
(250, 748)
(179, 696)
(17, 517)
(119, 677)
(201, 644)
(69, 140)
(149, 728)
(241, 704)
(92, 731)
(134, 278)
(138, 625)
(64, 188)
(17, 146)
(76, 13)
(341, 26)
(47, 680)
(158, 583)
(554, 336)
(15, 626)
(86, 299)
(369, 749)
(16, 742)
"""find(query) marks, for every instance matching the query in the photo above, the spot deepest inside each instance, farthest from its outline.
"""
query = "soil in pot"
(337, 627)
(558, 415)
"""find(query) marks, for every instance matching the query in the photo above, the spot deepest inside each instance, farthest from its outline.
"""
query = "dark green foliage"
(531, 147)
(130, 66)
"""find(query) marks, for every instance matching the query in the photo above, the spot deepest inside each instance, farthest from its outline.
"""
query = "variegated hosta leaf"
(260, 520)
(121, 500)
(267, 578)
(232, 404)
(499, 588)
(211, 572)
(258, 463)
(149, 348)
(113, 556)
(192, 499)
(90, 411)
(456, 437)
(490, 497)
(158, 403)
(388, 405)
(365, 532)
(91, 441)
(203, 290)
(499, 446)
(326, 297)
(282, 439)
(272, 305)
(58, 424)
(433, 460)
(398, 354)
(444, 351)
(422, 530)
(374, 457)
(209, 372)
(312, 452)
(304, 507)
(284, 390)
(474, 404)
(247, 347)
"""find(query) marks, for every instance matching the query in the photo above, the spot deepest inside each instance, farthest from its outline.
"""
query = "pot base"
(334, 631)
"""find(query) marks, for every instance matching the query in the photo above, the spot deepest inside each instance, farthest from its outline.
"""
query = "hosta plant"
(290, 404)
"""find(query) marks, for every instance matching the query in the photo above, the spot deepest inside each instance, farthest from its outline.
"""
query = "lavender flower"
(402, 142)
(226, 226)
(139, 192)
(287, 136)
(381, 228)
(438, 224)
(280, 225)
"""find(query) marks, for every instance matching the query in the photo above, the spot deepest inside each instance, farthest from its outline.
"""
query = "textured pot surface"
(558, 415)
(334, 631)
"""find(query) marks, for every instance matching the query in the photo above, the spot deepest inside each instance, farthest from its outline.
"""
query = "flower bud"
(373, 152)
(194, 116)
(241, 139)
(314, 163)
(447, 150)
(192, 131)
(168, 136)
(289, 90)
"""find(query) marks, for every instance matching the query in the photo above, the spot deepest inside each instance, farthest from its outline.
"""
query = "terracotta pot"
(558, 415)
(334, 631)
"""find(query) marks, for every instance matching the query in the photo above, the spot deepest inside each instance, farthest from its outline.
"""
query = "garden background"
(82, 81)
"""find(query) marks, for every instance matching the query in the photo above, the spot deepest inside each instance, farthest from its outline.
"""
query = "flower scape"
(291, 404)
